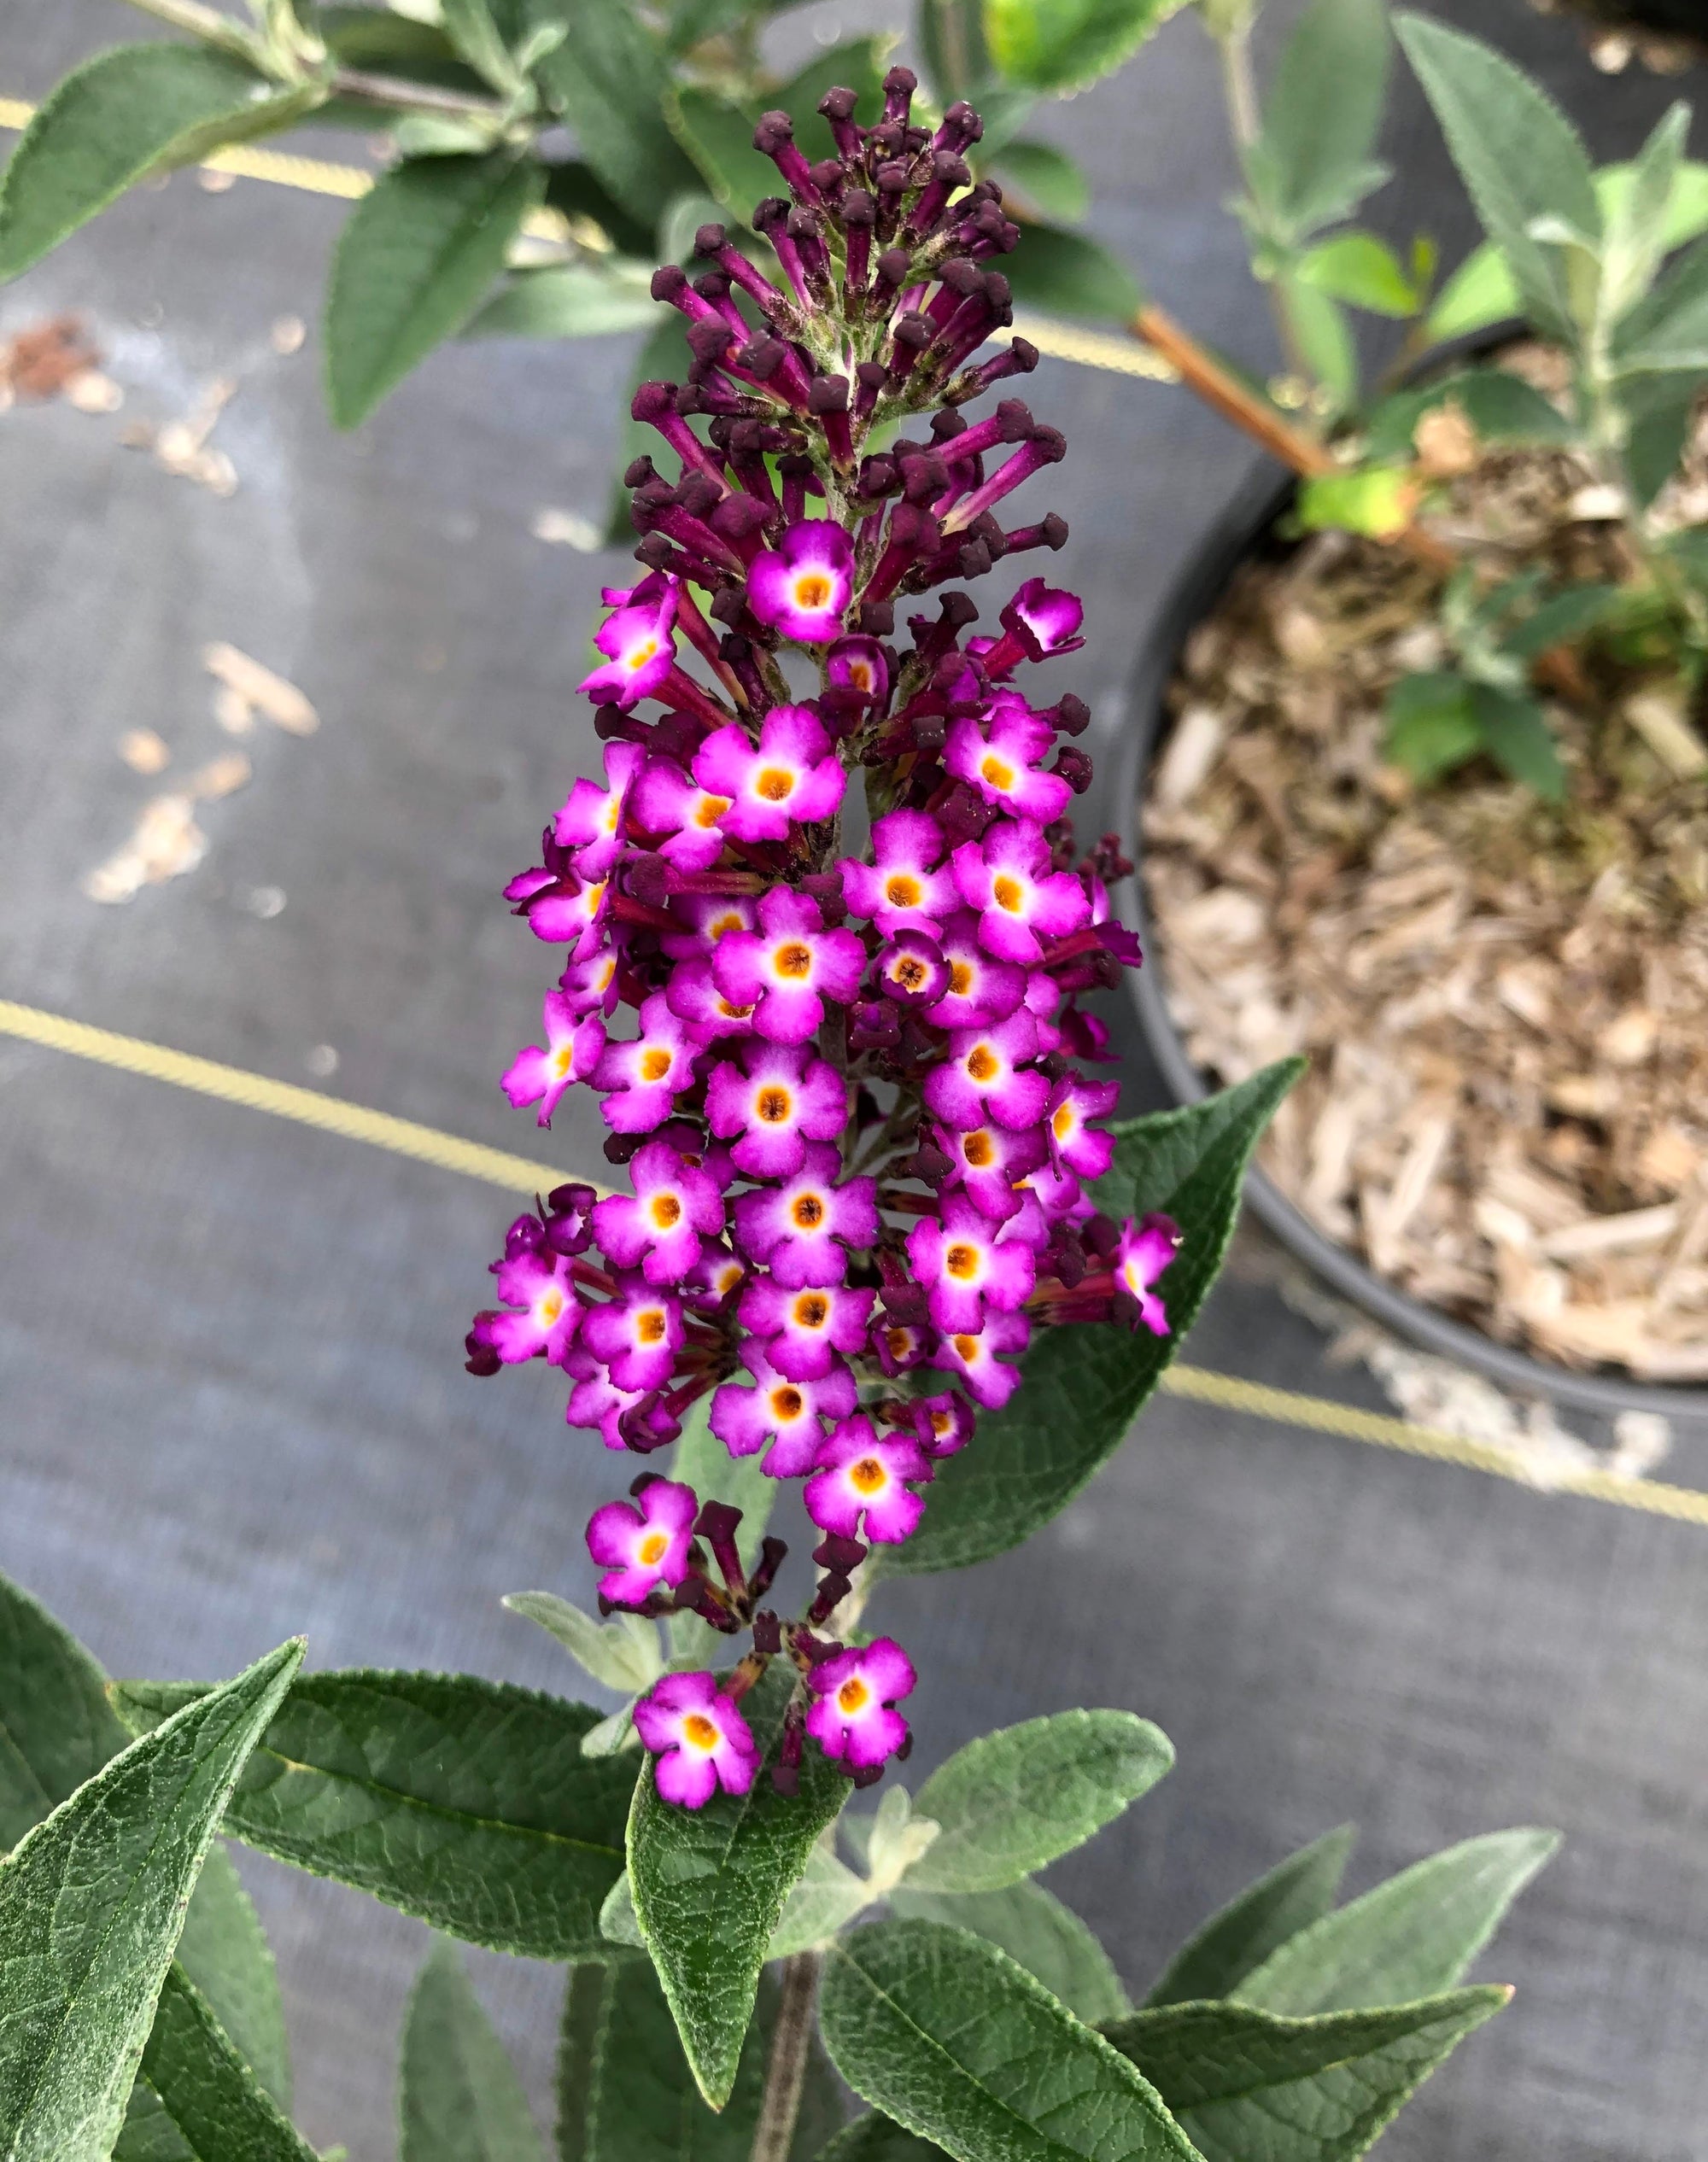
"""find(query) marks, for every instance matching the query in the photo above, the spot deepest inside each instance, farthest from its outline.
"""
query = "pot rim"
(1244, 520)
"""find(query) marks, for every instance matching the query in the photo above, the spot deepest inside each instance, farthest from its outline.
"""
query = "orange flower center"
(774, 785)
(808, 1212)
(794, 959)
(981, 1063)
(997, 772)
(812, 1311)
(961, 977)
(654, 1065)
(666, 1210)
(711, 811)
(649, 1327)
(698, 1730)
(867, 1475)
(909, 972)
(773, 1105)
(967, 1346)
(1062, 1123)
(812, 590)
(962, 1260)
(853, 1696)
(787, 1403)
(902, 891)
(652, 1549)
(1006, 893)
(977, 1149)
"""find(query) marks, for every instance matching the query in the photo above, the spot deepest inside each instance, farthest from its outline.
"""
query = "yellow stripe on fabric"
(318, 177)
(518, 1174)
(281, 1099)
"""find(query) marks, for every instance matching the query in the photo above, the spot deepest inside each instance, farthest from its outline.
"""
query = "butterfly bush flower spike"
(839, 1076)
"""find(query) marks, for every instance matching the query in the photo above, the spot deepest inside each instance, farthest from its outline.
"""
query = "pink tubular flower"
(788, 1414)
(1021, 902)
(571, 910)
(857, 664)
(801, 1229)
(988, 1163)
(596, 1401)
(912, 970)
(802, 586)
(638, 647)
(789, 773)
(861, 1476)
(942, 1424)
(642, 1548)
(644, 1076)
(804, 1330)
(1145, 1250)
(1001, 759)
(637, 1336)
(1073, 1146)
(981, 989)
(694, 996)
(591, 821)
(539, 1284)
(855, 1721)
(904, 888)
(698, 1739)
(690, 818)
(659, 1227)
(967, 1267)
(570, 1053)
(789, 966)
(773, 1102)
(981, 1361)
(1044, 620)
(984, 1077)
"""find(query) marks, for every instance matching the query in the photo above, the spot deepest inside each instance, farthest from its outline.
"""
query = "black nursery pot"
(1240, 532)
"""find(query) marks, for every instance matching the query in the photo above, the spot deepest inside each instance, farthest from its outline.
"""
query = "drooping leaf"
(826, 1898)
(1045, 178)
(120, 116)
(91, 1903)
(568, 300)
(464, 1802)
(1659, 409)
(224, 1952)
(56, 1727)
(1012, 1802)
(470, 26)
(1066, 273)
(1244, 2084)
(1238, 1937)
(1516, 733)
(460, 2099)
(1033, 1927)
(710, 1886)
(625, 2093)
(195, 2099)
(57, 1730)
(1363, 271)
(1413, 1937)
(1516, 153)
(1432, 725)
(1067, 45)
(1085, 1384)
(953, 2040)
(414, 261)
(1500, 408)
(609, 79)
(1313, 162)
(622, 1652)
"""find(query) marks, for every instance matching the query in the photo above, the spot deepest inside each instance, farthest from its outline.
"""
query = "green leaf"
(464, 1802)
(460, 2099)
(609, 79)
(1376, 499)
(877, 2138)
(826, 1897)
(573, 188)
(1636, 227)
(414, 261)
(1323, 338)
(1500, 407)
(1244, 2084)
(718, 134)
(1065, 273)
(569, 300)
(91, 1903)
(952, 39)
(1359, 269)
(1516, 153)
(1432, 726)
(1012, 1802)
(1241, 1936)
(380, 40)
(1086, 1384)
(1660, 410)
(56, 1727)
(1034, 1928)
(1068, 44)
(1311, 163)
(120, 116)
(1411, 1937)
(1516, 734)
(710, 1886)
(196, 2099)
(858, 64)
(1045, 178)
(625, 2090)
(471, 29)
(623, 1653)
(1563, 617)
(953, 2040)
(1669, 329)
(225, 1953)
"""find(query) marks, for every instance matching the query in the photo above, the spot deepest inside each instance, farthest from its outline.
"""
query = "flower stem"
(785, 2072)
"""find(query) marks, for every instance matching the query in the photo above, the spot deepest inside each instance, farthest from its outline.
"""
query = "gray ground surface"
(234, 1404)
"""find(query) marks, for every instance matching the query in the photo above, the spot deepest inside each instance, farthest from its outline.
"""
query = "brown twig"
(786, 2070)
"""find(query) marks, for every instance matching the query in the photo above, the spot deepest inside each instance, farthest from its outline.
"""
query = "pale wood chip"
(1192, 749)
(91, 392)
(1584, 1095)
(1668, 1158)
(1596, 1234)
(1629, 1040)
(282, 703)
(1431, 1129)
(1659, 717)
(222, 776)
(144, 752)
